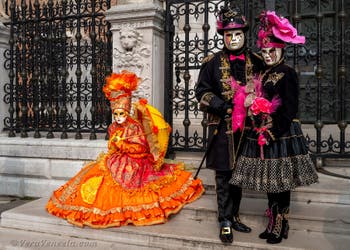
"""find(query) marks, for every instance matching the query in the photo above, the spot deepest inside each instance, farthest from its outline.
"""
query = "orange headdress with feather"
(119, 87)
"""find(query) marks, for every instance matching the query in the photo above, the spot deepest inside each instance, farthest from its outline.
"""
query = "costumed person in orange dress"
(275, 157)
(130, 184)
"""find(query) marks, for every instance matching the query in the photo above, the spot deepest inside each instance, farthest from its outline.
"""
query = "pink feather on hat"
(272, 25)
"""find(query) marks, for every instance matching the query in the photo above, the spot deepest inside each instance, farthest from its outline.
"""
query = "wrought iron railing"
(60, 52)
(321, 63)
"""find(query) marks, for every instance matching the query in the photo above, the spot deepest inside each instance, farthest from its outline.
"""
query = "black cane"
(206, 152)
(216, 131)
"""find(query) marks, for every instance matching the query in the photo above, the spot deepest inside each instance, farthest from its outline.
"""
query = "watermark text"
(53, 244)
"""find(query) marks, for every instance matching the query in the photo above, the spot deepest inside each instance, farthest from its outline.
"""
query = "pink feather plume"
(239, 111)
(275, 102)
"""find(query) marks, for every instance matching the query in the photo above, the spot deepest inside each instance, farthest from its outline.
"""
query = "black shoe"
(226, 235)
(239, 226)
(264, 235)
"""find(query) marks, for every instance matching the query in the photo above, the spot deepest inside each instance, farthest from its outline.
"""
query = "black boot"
(285, 223)
(226, 235)
(268, 230)
(280, 228)
(239, 226)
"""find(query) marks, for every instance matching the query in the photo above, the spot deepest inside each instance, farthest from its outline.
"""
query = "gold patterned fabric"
(286, 164)
(126, 185)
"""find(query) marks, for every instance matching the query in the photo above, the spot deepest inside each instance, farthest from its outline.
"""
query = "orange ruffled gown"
(122, 186)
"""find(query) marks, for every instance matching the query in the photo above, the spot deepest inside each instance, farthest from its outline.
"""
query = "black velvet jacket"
(214, 92)
(282, 81)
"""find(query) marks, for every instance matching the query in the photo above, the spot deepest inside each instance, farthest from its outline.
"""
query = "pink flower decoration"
(262, 140)
(261, 105)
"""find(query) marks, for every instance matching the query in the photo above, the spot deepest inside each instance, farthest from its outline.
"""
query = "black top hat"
(230, 18)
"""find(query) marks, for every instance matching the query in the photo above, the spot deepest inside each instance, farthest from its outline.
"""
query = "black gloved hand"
(257, 120)
(226, 110)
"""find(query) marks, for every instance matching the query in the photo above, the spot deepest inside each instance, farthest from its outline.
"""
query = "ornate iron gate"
(322, 64)
(60, 52)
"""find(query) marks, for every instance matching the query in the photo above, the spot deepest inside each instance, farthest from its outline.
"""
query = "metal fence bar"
(59, 55)
(319, 72)
(342, 124)
(10, 119)
(321, 64)
(63, 75)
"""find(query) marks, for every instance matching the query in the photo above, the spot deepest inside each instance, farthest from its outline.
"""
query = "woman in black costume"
(275, 156)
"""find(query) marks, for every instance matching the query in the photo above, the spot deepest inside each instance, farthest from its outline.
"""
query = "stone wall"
(36, 167)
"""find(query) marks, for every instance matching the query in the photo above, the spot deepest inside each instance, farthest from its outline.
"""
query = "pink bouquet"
(261, 109)
(261, 105)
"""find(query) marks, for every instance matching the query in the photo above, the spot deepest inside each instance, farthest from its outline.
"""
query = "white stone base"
(36, 167)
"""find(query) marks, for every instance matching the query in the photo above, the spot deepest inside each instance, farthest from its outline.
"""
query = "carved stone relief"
(131, 53)
(2, 10)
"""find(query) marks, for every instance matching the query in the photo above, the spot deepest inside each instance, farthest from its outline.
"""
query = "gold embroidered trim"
(274, 77)
(278, 225)
(137, 208)
(117, 223)
(227, 92)
(271, 135)
(280, 160)
(205, 101)
(71, 188)
(208, 58)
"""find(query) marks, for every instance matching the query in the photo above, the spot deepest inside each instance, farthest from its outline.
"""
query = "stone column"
(138, 45)
(4, 78)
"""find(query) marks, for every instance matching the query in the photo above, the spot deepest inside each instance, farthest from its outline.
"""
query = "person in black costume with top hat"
(275, 157)
(221, 75)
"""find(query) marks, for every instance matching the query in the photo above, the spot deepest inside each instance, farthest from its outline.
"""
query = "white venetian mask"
(234, 39)
(120, 115)
(271, 55)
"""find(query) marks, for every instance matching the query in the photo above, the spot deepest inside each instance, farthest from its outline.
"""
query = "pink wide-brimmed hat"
(276, 31)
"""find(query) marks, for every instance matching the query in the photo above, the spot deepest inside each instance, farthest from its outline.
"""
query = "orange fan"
(156, 128)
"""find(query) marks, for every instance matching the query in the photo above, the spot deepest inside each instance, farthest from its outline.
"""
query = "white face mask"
(271, 55)
(120, 115)
(234, 39)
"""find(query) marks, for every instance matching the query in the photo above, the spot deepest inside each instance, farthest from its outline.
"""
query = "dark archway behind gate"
(322, 63)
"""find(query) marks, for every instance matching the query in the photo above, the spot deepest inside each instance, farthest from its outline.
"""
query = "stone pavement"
(319, 219)
(30, 227)
(8, 202)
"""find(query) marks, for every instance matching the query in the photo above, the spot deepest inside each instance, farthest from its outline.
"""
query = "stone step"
(329, 189)
(55, 148)
(337, 162)
(22, 239)
(39, 177)
(36, 167)
(31, 223)
(304, 216)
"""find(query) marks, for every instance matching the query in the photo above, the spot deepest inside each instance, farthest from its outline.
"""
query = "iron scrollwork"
(58, 58)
